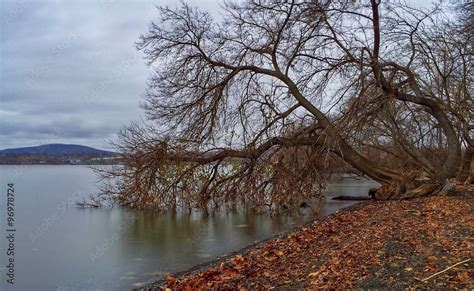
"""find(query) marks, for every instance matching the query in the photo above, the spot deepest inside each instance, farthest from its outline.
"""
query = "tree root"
(408, 189)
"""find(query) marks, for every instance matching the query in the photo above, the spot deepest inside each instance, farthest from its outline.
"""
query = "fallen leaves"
(378, 244)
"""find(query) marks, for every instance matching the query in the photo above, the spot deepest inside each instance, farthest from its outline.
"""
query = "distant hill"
(56, 150)
(58, 154)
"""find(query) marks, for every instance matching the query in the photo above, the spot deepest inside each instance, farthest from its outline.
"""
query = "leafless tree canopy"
(262, 107)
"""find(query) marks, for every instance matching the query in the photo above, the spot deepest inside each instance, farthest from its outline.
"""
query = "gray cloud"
(69, 69)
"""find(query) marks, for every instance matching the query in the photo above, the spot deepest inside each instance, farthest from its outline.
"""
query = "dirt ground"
(394, 244)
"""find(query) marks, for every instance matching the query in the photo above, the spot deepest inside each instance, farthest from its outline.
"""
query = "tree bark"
(466, 171)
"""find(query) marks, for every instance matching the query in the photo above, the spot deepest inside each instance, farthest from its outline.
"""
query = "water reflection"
(118, 249)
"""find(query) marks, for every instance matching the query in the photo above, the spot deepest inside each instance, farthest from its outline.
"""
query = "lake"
(61, 247)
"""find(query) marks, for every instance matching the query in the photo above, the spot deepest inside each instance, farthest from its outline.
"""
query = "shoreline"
(372, 244)
(246, 249)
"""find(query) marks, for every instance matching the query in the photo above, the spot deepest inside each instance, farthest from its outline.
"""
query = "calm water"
(61, 247)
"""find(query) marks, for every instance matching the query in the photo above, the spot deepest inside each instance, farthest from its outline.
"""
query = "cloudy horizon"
(70, 72)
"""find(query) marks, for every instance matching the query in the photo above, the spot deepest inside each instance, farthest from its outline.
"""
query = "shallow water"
(61, 247)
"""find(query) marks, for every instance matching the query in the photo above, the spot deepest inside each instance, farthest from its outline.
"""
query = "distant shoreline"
(58, 154)
(105, 164)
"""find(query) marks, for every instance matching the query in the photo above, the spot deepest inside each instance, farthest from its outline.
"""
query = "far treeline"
(82, 159)
(261, 107)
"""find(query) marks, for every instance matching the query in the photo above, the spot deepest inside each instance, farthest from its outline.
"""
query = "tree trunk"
(466, 171)
(395, 185)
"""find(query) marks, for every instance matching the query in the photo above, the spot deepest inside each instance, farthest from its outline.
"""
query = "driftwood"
(351, 198)
(86, 204)
(440, 272)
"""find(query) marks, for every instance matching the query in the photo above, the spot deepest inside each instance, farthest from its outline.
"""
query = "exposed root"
(412, 188)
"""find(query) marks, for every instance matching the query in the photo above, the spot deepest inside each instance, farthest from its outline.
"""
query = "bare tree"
(461, 41)
(261, 107)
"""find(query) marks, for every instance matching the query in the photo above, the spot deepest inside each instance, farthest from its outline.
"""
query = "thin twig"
(448, 268)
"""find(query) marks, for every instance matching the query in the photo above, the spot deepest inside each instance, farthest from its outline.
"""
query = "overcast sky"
(69, 69)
